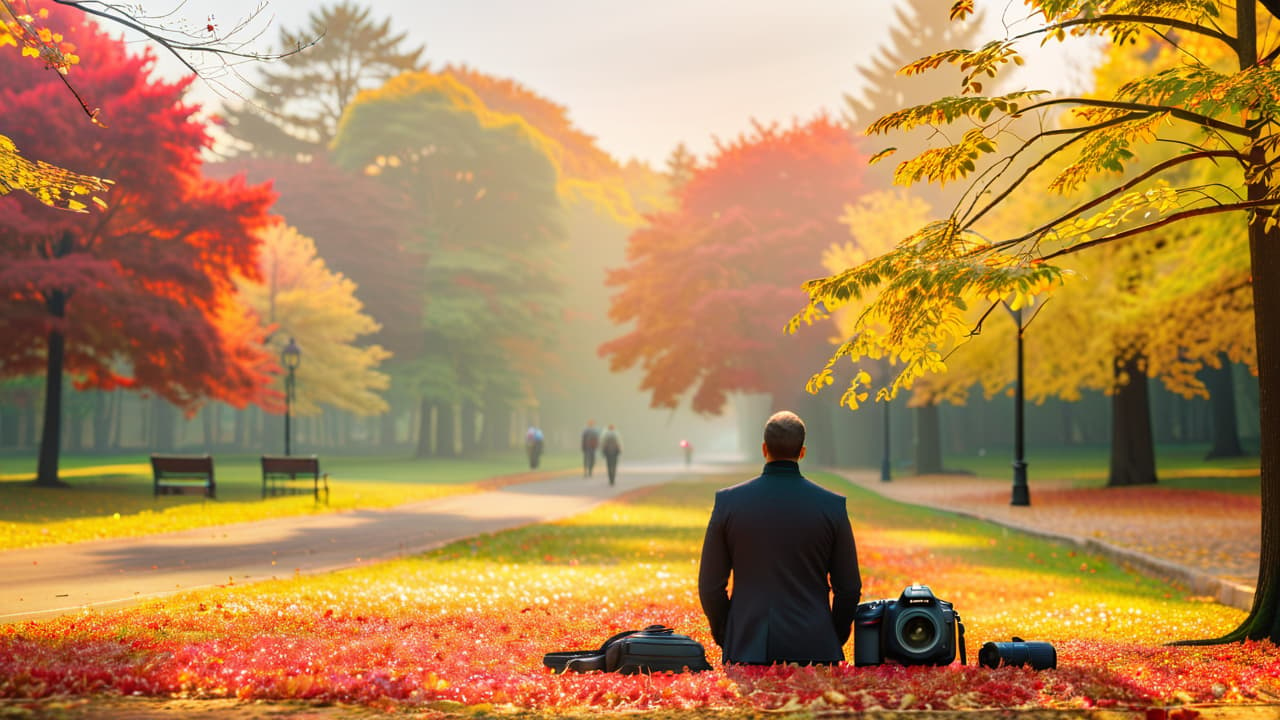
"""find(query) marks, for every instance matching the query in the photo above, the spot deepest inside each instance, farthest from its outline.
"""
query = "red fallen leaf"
(1157, 714)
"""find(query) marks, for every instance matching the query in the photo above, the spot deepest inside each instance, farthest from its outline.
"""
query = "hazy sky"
(640, 76)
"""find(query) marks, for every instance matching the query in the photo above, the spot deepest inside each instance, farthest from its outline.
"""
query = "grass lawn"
(461, 631)
(1177, 466)
(112, 497)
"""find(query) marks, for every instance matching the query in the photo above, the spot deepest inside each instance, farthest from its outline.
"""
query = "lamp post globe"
(291, 358)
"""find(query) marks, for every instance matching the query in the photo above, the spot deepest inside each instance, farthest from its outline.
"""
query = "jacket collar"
(782, 467)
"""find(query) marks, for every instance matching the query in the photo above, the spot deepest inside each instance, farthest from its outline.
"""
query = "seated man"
(789, 546)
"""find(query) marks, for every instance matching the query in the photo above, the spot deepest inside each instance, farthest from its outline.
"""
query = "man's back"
(788, 544)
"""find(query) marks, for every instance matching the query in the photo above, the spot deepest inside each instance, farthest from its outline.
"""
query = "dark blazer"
(796, 585)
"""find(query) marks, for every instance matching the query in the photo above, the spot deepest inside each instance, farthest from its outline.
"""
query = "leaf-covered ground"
(116, 500)
(463, 629)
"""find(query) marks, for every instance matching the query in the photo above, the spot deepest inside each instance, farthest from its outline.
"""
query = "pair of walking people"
(609, 443)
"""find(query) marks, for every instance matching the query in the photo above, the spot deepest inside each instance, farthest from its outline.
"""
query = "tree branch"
(1123, 187)
(1167, 220)
(1106, 19)
(1193, 118)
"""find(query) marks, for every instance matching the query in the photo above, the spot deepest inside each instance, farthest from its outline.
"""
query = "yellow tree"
(1164, 306)
(300, 298)
(924, 287)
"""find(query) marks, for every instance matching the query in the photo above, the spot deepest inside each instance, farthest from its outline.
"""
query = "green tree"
(923, 288)
(488, 219)
(294, 111)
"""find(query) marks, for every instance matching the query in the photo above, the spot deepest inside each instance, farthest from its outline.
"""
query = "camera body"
(915, 629)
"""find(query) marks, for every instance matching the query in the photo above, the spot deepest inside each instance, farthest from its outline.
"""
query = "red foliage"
(338, 651)
(150, 279)
(710, 285)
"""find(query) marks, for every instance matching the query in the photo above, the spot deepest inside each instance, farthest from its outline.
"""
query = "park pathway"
(53, 580)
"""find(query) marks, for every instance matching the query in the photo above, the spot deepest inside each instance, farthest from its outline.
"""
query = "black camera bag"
(654, 649)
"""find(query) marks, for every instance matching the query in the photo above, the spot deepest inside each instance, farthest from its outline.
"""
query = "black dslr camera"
(915, 629)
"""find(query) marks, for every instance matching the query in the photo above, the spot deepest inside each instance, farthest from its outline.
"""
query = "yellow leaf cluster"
(51, 185)
(20, 30)
(300, 298)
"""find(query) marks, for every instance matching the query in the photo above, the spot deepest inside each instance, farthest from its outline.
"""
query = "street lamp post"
(886, 468)
(290, 357)
(1021, 493)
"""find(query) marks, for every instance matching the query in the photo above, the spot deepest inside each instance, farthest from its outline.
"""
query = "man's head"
(784, 437)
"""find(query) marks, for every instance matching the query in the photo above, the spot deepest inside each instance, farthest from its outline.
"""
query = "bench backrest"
(290, 465)
(192, 466)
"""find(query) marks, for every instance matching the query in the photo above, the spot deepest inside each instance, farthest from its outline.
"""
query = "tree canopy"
(487, 218)
(750, 226)
(143, 292)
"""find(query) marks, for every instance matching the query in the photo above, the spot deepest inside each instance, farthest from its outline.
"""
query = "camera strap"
(960, 633)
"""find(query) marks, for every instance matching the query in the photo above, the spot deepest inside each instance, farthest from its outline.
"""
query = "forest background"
(387, 234)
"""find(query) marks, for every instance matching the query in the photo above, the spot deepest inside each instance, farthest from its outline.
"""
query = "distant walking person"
(533, 446)
(687, 447)
(590, 442)
(611, 448)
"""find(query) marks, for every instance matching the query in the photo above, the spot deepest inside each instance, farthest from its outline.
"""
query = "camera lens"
(1036, 655)
(917, 632)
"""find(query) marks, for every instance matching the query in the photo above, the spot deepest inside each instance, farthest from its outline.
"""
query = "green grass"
(1177, 466)
(112, 497)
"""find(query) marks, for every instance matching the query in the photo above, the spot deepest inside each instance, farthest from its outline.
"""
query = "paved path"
(52, 580)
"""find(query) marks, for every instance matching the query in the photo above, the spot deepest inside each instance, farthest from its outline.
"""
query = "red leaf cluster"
(150, 279)
(709, 286)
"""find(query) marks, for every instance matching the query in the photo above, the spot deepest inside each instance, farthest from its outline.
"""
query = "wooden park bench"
(292, 475)
(183, 475)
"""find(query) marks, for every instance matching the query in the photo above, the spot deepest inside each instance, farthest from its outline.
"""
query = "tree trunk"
(51, 433)
(445, 431)
(387, 427)
(208, 425)
(1224, 428)
(1263, 621)
(497, 423)
(101, 420)
(1133, 453)
(424, 429)
(468, 428)
(928, 439)
(162, 425)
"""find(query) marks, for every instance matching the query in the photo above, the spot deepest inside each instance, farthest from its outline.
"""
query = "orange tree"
(750, 225)
(921, 289)
(140, 294)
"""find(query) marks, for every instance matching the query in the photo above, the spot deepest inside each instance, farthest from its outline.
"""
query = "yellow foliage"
(300, 298)
(51, 185)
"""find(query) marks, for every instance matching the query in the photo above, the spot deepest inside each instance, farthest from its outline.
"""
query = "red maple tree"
(138, 294)
(708, 286)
